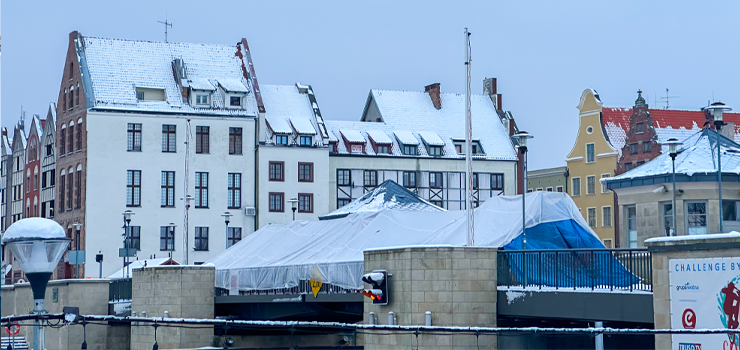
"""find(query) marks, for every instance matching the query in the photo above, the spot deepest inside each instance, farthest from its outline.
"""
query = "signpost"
(705, 294)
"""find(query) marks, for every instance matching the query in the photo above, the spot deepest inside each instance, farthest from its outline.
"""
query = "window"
(435, 180)
(201, 100)
(276, 201)
(371, 178)
(409, 179)
(590, 184)
(71, 97)
(627, 166)
(640, 162)
(667, 209)
(344, 177)
(167, 238)
(235, 140)
(281, 140)
(235, 101)
(305, 172)
(305, 203)
(633, 148)
(730, 211)
(35, 179)
(134, 137)
(438, 203)
(475, 182)
(632, 225)
(201, 139)
(409, 150)
(590, 153)
(435, 151)
(201, 190)
(168, 189)
(70, 186)
(458, 148)
(646, 147)
(277, 171)
(71, 137)
(548, 189)
(52, 177)
(201, 238)
(607, 243)
(576, 189)
(592, 217)
(559, 189)
(342, 202)
(696, 218)
(306, 140)
(603, 187)
(606, 216)
(62, 141)
(134, 237)
(43, 180)
(169, 138)
(497, 182)
(332, 147)
(382, 149)
(49, 149)
(539, 189)
(234, 200)
(133, 188)
(234, 236)
(357, 148)
(140, 95)
(61, 191)
(78, 190)
(639, 128)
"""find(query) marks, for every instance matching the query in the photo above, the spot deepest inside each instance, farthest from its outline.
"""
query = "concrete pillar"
(457, 285)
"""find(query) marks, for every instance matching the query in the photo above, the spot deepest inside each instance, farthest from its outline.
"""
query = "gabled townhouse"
(165, 130)
(48, 163)
(15, 188)
(417, 139)
(6, 155)
(33, 169)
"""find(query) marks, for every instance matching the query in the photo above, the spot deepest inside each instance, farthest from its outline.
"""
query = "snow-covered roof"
(405, 137)
(278, 125)
(302, 126)
(379, 137)
(127, 272)
(431, 138)
(697, 155)
(388, 195)
(113, 68)
(232, 85)
(352, 136)
(201, 84)
(286, 106)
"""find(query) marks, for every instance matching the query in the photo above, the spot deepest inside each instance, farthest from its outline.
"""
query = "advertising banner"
(705, 294)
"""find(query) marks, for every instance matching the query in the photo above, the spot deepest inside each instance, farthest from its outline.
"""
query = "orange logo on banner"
(315, 286)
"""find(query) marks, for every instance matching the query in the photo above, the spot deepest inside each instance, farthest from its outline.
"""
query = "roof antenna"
(166, 24)
(666, 98)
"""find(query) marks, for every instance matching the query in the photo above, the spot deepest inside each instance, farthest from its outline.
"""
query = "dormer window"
(306, 140)
(383, 149)
(235, 101)
(140, 95)
(356, 148)
(435, 151)
(150, 94)
(202, 99)
(460, 147)
(281, 140)
(410, 150)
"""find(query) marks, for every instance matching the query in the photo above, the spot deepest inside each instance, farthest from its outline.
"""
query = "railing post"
(557, 262)
(611, 274)
(539, 268)
(629, 277)
(524, 264)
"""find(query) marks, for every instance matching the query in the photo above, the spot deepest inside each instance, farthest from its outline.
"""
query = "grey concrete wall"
(90, 295)
(458, 285)
(680, 249)
(183, 291)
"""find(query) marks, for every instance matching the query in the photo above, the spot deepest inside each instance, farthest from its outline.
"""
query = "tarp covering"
(280, 256)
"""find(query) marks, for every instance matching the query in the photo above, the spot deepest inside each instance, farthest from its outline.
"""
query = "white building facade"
(48, 163)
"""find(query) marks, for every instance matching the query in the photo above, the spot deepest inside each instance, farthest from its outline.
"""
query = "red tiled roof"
(663, 118)
(617, 115)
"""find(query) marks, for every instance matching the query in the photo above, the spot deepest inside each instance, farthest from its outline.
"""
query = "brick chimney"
(490, 89)
(433, 90)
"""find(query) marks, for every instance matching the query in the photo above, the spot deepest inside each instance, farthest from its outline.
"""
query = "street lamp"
(38, 244)
(227, 219)
(77, 227)
(126, 222)
(673, 144)
(293, 205)
(716, 110)
(521, 139)
(171, 237)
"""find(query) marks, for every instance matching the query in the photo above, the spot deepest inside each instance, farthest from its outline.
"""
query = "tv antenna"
(166, 24)
(666, 98)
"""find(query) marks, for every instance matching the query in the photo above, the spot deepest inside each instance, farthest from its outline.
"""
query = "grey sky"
(543, 53)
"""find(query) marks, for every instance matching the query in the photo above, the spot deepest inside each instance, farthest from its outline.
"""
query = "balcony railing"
(603, 269)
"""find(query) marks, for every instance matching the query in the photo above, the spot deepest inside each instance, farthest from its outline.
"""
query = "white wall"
(109, 160)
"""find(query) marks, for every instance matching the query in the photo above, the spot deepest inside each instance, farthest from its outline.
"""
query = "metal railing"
(612, 269)
(120, 289)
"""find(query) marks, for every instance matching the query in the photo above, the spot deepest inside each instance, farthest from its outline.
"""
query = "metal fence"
(120, 289)
(612, 269)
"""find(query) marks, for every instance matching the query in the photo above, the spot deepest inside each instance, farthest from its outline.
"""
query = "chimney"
(490, 89)
(433, 90)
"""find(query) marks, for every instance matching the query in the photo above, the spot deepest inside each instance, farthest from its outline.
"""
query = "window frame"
(647, 147)
(559, 189)
(282, 202)
(639, 128)
(305, 141)
(348, 177)
(231, 234)
(235, 140)
(687, 216)
(495, 180)
(301, 197)
(631, 242)
(201, 189)
(591, 187)
(301, 172)
(167, 233)
(279, 138)
(235, 98)
(270, 174)
(133, 138)
(409, 179)
(132, 189)
(167, 191)
(234, 192)
(169, 138)
(342, 200)
(634, 148)
(574, 188)
(603, 187)
(383, 149)
(201, 240)
(373, 178)
(590, 210)
(407, 150)
(199, 97)
(592, 154)
(202, 139)
(603, 216)
(435, 151)
(436, 175)
(669, 217)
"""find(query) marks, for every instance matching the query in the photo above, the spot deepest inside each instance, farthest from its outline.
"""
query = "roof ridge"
(424, 92)
(154, 42)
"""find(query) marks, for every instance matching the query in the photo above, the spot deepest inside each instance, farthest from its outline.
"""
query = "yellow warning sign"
(315, 286)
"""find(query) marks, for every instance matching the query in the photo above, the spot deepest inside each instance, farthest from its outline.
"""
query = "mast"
(187, 195)
(468, 145)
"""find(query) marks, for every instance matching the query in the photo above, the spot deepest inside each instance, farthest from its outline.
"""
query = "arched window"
(63, 140)
(28, 180)
(70, 136)
(35, 206)
(78, 188)
(36, 178)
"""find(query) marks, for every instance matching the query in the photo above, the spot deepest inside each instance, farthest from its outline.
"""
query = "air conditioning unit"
(250, 211)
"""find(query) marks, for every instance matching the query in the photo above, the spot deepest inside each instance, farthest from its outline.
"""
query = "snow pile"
(33, 228)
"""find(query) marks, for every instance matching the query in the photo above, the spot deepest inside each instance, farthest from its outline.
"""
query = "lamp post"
(38, 244)
(126, 222)
(293, 205)
(673, 144)
(716, 110)
(227, 219)
(77, 227)
(521, 139)
(171, 238)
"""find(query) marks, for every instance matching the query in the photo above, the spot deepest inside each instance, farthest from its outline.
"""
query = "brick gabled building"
(33, 169)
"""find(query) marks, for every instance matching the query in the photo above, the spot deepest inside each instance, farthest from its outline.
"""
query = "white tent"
(280, 256)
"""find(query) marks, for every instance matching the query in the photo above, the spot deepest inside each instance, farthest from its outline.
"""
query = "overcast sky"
(544, 54)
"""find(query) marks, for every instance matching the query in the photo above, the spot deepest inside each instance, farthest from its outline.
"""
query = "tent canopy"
(280, 256)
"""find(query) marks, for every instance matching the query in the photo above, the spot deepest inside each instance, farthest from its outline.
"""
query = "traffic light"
(378, 279)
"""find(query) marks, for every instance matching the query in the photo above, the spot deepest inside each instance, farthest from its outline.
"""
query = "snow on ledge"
(711, 236)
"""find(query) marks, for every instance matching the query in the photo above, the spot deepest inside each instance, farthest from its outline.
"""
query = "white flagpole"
(468, 146)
